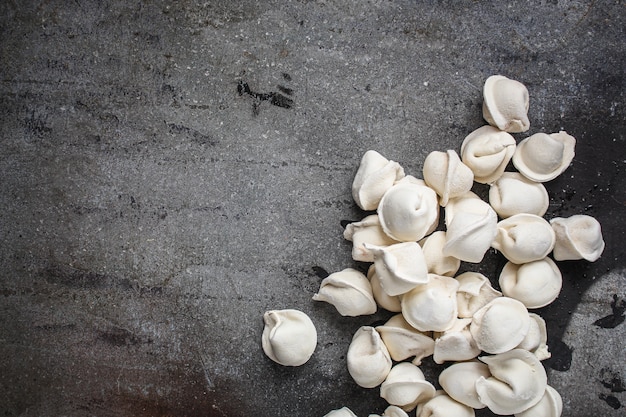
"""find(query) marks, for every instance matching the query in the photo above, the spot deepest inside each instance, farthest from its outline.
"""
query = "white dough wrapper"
(409, 210)
(577, 237)
(432, 306)
(447, 175)
(391, 411)
(537, 338)
(341, 412)
(400, 267)
(524, 238)
(505, 104)
(368, 359)
(349, 291)
(384, 300)
(471, 227)
(442, 405)
(403, 341)
(550, 405)
(436, 262)
(289, 337)
(487, 151)
(518, 381)
(459, 381)
(456, 343)
(406, 386)
(535, 284)
(542, 157)
(474, 292)
(367, 231)
(513, 193)
(500, 325)
(376, 174)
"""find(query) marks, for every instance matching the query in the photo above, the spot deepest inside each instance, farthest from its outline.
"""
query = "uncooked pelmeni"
(432, 306)
(536, 284)
(456, 343)
(537, 337)
(376, 174)
(369, 231)
(289, 337)
(543, 157)
(341, 412)
(403, 341)
(577, 237)
(391, 411)
(487, 151)
(500, 326)
(459, 382)
(442, 405)
(505, 104)
(524, 238)
(513, 193)
(447, 175)
(400, 267)
(474, 292)
(409, 210)
(471, 227)
(384, 300)
(550, 405)
(517, 382)
(368, 359)
(406, 386)
(436, 262)
(349, 291)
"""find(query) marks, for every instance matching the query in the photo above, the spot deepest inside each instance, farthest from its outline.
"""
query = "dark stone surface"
(171, 170)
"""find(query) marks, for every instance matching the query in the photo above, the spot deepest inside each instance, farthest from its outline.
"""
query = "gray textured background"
(150, 214)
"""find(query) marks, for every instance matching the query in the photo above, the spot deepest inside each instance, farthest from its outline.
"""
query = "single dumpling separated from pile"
(436, 262)
(577, 237)
(368, 359)
(535, 284)
(400, 267)
(349, 291)
(409, 210)
(518, 381)
(500, 326)
(442, 405)
(289, 337)
(376, 174)
(459, 381)
(475, 291)
(447, 175)
(487, 151)
(524, 238)
(471, 227)
(505, 104)
(513, 194)
(406, 386)
(403, 341)
(431, 306)
(543, 157)
(368, 231)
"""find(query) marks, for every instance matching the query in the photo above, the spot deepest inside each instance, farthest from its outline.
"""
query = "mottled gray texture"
(150, 214)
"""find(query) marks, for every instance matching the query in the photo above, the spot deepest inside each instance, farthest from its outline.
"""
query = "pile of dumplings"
(494, 343)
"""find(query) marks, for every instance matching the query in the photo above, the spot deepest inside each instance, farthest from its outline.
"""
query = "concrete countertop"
(171, 170)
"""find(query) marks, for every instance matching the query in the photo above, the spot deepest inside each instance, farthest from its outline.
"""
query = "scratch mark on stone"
(203, 361)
